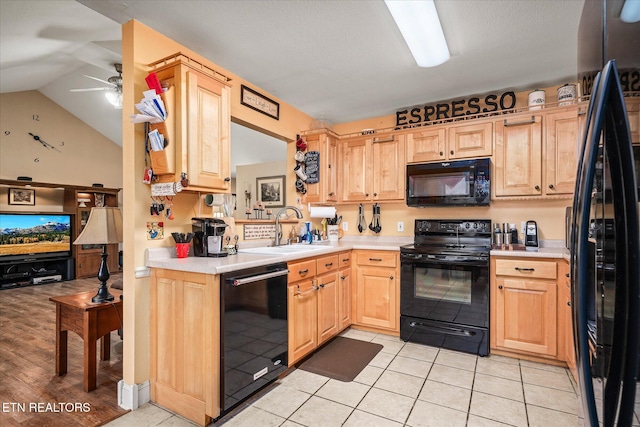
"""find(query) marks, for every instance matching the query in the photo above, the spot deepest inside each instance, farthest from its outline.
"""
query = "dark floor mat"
(342, 359)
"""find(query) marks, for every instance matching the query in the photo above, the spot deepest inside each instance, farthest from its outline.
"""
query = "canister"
(567, 94)
(536, 99)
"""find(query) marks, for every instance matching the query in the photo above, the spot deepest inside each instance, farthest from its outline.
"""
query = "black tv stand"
(35, 271)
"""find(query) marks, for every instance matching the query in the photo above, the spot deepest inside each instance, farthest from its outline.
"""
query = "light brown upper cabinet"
(372, 169)
(450, 142)
(198, 124)
(326, 190)
(633, 111)
(560, 151)
(518, 157)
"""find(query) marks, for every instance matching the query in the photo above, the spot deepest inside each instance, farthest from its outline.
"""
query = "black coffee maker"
(208, 237)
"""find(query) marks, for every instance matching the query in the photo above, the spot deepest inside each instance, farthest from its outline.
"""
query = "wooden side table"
(92, 321)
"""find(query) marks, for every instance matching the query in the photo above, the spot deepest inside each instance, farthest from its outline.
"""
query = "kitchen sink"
(283, 249)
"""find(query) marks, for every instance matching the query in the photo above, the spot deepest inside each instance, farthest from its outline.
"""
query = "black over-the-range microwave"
(455, 183)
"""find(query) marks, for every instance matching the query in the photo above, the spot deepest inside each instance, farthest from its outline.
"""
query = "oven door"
(455, 293)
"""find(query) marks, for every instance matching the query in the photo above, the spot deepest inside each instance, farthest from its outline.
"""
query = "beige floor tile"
(253, 416)
(364, 419)
(349, 394)
(400, 383)
(304, 381)
(387, 405)
(382, 360)
(452, 376)
(425, 414)
(498, 368)
(147, 415)
(497, 386)
(456, 359)
(499, 409)
(282, 400)
(551, 379)
(420, 352)
(390, 346)
(406, 365)
(551, 398)
(178, 421)
(543, 417)
(319, 412)
(358, 335)
(503, 359)
(287, 423)
(446, 395)
(476, 421)
(542, 366)
(369, 375)
(391, 338)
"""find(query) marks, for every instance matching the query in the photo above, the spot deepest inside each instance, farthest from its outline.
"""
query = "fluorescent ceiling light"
(630, 12)
(419, 24)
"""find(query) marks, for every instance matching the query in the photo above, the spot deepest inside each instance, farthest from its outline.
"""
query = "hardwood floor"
(30, 391)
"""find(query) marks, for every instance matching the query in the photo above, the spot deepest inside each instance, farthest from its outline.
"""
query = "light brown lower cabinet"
(377, 290)
(566, 313)
(315, 303)
(185, 343)
(524, 306)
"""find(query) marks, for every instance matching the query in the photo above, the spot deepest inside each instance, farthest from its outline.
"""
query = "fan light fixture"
(419, 24)
(630, 12)
(114, 96)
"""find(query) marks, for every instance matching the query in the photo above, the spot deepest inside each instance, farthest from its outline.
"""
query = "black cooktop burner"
(450, 239)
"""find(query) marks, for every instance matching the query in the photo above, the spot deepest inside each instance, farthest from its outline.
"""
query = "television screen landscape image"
(34, 234)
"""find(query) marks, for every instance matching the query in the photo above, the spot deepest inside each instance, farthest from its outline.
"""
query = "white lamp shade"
(104, 226)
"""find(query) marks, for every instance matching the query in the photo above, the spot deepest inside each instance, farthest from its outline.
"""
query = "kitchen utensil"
(373, 217)
(362, 223)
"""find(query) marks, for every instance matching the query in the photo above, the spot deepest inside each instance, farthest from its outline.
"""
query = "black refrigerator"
(605, 263)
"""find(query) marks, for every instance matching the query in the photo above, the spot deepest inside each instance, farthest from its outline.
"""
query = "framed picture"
(22, 196)
(252, 99)
(271, 191)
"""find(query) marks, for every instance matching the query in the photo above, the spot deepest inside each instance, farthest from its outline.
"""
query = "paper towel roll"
(214, 199)
(322, 211)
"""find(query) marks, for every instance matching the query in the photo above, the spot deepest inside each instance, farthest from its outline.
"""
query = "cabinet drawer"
(344, 259)
(526, 268)
(377, 258)
(301, 270)
(328, 263)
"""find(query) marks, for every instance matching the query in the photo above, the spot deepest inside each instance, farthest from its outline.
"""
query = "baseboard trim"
(132, 396)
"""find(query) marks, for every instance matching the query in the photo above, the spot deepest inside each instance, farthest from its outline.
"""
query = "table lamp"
(104, 227)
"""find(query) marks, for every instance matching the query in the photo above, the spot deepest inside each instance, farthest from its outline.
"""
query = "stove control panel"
(428, 226)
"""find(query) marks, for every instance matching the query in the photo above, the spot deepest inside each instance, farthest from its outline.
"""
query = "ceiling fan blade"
(100, 80)
(90, 89)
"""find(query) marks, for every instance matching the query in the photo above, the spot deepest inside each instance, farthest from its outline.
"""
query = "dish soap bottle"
(309, 237)
(293, 235)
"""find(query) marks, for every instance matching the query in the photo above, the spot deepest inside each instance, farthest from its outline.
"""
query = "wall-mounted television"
(34, 235)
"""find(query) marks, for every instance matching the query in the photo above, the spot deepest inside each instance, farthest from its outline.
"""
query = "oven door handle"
(239, 281)
(411, 256)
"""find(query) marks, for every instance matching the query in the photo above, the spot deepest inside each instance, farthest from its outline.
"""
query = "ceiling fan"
(114, 90)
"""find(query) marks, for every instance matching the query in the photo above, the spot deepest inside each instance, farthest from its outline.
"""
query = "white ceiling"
(338, 60)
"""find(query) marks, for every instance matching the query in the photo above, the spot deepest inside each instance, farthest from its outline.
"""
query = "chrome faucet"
(278, 236)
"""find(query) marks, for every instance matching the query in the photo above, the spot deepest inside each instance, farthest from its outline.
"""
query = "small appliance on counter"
(531, 235)
(208, 237)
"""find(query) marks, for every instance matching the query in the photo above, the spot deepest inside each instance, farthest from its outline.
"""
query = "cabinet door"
(355, 174)
(526, 317)
(518, 158)
(633, 112)
(376, 298)
(208, 127)
(566, 317)
(561, 152)
(326, 190)
(184, 338)
(470, 141)
(426, 145)
(302, 319)
(328, 306)
(389, 169)
(344, 278)
(87, 265)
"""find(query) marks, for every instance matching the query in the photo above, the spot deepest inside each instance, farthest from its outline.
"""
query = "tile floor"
(407, 384)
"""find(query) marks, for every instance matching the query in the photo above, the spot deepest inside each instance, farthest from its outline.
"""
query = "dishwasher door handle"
(239, 281)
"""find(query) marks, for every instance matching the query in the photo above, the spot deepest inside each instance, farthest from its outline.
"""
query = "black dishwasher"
(253, 331)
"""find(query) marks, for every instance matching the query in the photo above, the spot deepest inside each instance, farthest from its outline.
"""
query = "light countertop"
(548, 249)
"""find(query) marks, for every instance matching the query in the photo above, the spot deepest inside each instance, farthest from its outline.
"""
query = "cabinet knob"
(537, 187)
(551, 186)
(227, 179)
(442, 153)
(343, 277)
(331, 194)
(451, 152)
(321, 285)
(567, 275)
(375, 194)
(569, 303)
(391, 277)
(366, 194)
(499, 286)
